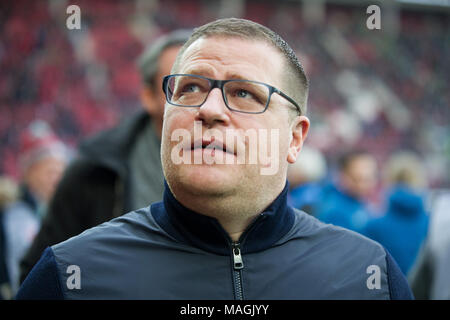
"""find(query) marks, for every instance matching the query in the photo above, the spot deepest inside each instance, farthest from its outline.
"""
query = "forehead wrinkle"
(208, 60)
(202, 66)
(202, 70)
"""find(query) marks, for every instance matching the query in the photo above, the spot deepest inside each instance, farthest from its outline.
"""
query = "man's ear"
(299, 131)
(148, 100)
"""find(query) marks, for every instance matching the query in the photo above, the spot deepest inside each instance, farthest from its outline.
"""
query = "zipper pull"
(237, 258)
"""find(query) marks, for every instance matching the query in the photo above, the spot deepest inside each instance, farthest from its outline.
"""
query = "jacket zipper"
(238, 265)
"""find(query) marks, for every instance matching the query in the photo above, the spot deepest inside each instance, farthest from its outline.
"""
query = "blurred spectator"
(430, 277)
(305, 180)
(344, 203)
(380, 90)
(118, 170)
(43, 158)
(441, 281)
(403, 227)
(8, 194)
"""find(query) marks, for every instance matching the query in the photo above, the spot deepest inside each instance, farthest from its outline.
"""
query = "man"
(42, 158)
(345, 204)
(429, 277)
(118, 170)
(223, 229)
(403, 226)
(8, 195)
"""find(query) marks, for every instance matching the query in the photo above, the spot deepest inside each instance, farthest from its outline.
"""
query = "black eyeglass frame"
(220, 84)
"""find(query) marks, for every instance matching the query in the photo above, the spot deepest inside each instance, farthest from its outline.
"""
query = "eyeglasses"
(187, 90)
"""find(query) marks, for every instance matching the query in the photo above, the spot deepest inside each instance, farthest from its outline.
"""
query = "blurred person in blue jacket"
(404, 225)
(306, 180)
(43, 158)
(344, 202)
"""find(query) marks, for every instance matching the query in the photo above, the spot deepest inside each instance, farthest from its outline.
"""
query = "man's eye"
(243, 94)
(191, 88)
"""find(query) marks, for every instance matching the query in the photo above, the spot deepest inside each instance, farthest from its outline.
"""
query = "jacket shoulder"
(309, 226)
(338, 241)
(350, 253)
(128, 225)
(133, 230)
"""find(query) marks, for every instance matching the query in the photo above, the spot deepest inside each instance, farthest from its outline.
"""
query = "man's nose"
(214, 109)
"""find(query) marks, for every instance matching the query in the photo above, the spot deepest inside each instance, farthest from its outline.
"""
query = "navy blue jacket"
(166, 251)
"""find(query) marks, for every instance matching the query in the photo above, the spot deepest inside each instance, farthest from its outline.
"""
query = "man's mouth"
(212, 144)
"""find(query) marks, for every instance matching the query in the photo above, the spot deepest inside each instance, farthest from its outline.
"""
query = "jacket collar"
(206, 232)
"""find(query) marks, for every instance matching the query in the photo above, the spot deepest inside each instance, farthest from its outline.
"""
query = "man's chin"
(208, 179)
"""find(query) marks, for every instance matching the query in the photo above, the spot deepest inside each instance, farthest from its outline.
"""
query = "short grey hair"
(296, 82)
(148, 61)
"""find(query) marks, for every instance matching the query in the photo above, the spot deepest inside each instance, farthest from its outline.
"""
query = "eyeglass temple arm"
(288, 99)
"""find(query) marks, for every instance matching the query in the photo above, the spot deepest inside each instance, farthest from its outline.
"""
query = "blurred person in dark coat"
(117, 170)
(344, 202)
(42, 158)
(403, 227)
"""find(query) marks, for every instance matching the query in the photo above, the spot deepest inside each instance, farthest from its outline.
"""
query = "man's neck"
(207, 233)
(234, 212)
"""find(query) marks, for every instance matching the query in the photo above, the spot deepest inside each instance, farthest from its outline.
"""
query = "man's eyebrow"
(207, 72)
(236, 76)
(202, 71)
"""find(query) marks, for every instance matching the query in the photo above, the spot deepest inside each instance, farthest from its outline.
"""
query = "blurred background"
(385, 91)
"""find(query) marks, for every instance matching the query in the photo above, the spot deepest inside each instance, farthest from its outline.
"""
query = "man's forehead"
(230, 51)
(202, 44)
